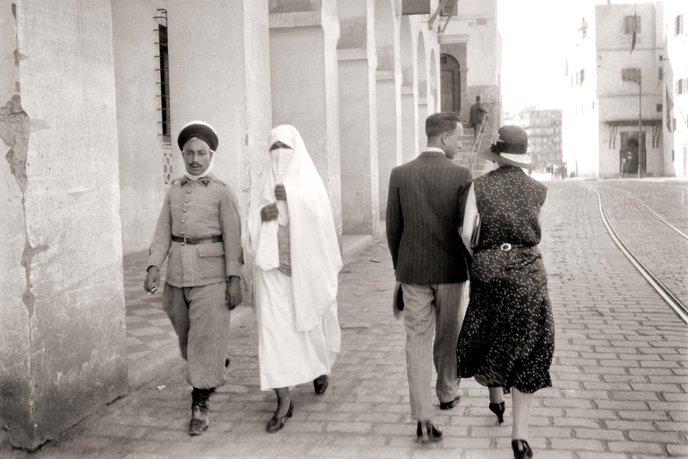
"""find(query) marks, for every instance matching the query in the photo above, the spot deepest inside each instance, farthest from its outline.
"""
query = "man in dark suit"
(424, 211)
(476, 115)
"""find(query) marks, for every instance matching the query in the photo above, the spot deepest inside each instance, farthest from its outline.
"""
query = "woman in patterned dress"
(507, 338)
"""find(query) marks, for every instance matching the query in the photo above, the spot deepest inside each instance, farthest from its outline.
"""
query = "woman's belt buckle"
(505, 247)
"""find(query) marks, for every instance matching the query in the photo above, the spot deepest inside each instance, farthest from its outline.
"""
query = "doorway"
(450, 74)
(632, 155)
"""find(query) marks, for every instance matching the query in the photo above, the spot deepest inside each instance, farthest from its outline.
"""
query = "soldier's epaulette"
(215, 179)
(177, 181)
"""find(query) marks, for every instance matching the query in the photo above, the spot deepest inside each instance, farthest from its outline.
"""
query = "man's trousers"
(432, 309)
(200, 317)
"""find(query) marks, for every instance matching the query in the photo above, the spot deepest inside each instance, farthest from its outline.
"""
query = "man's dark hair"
(439, 123)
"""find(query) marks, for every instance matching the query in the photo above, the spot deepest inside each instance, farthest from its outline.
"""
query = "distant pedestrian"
(297, 261)
(507, 339)
(476, 116)
(199, 228)
(424, 212)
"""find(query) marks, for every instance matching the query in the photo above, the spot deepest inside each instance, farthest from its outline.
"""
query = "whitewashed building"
(92, 95)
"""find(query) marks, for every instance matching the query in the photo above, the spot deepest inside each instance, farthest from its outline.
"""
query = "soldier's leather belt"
(198, 240)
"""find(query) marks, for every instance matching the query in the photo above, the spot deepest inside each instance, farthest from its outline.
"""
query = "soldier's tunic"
(195, 285)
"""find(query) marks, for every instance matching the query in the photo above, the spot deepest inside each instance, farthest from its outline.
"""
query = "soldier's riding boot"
(200, 410)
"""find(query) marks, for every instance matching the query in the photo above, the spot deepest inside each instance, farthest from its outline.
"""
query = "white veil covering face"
(315, 256)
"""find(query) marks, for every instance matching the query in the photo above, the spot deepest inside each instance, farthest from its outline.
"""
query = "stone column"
(409, 123)
(220, 73)
(305, 92)
(388, 131)
(422, 115)
(358, 117)
(63, 341)
(223, 78)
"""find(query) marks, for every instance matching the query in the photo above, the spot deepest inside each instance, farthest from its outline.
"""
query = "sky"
(533, 45)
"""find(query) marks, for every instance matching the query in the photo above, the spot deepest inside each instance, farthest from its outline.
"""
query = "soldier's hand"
(152, 279)
(269, 212)
(233, 293)
(280, 193)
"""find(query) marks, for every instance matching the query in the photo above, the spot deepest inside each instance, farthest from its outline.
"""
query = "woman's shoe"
(498, 409)
(320, 384)
(276, 423)
(521, 449)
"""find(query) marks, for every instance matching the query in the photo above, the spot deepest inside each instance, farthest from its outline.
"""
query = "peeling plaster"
(14, 131)
(15, 128)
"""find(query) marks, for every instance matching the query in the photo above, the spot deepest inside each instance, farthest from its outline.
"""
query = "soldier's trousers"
(200, 317)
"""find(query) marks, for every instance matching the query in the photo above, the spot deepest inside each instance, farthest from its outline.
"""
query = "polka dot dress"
(507, 337)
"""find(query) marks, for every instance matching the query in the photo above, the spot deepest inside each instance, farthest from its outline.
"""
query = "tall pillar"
(422, 115)
(388, 132)
(388, 90)
(63, 341)
(358, 117)
(227, 86)
(305, 93)
(409, 123)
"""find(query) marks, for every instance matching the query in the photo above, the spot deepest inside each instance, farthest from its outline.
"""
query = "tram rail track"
(664, 292)
(653, 213)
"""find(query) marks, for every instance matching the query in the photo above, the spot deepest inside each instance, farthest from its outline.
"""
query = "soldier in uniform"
(199, 228)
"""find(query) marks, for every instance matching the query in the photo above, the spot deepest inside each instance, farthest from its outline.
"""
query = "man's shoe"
(320, 384)
(450, 404)
(199, 418)
(522, 449)
(428, 432)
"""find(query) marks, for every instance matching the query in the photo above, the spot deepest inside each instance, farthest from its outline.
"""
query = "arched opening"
(450, 74)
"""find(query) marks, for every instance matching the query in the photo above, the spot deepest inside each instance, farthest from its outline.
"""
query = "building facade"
(471, 60)
(674, 65)
(93, 96)
(544, 138)
(614, 121)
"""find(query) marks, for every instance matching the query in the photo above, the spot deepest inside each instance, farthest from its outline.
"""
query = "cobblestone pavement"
(620, 374)
(667, 197)
(660, 248)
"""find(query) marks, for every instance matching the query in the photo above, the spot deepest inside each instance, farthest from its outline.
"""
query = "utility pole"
(640, 121)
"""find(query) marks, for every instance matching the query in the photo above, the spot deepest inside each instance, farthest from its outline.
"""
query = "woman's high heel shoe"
(498, 409)
(276, 423)
(521, 449)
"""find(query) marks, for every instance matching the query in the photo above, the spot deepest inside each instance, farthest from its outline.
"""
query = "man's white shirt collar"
(435, 149)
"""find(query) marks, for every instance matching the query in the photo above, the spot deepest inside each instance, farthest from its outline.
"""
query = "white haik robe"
(298, 330)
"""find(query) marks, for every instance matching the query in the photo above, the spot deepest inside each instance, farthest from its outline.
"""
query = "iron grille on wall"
(163, 91)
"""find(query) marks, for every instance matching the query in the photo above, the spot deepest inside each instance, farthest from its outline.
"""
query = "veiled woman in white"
(297, 261)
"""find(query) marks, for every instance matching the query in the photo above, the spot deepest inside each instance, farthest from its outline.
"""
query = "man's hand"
(152, 279)
(280, 193)
(269, 212)
(233, 293)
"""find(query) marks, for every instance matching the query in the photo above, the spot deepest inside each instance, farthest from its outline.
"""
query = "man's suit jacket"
(424, 211)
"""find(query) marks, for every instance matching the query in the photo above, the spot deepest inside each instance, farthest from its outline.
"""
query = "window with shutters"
(682, 86)
(632, 74)
(678, 27)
